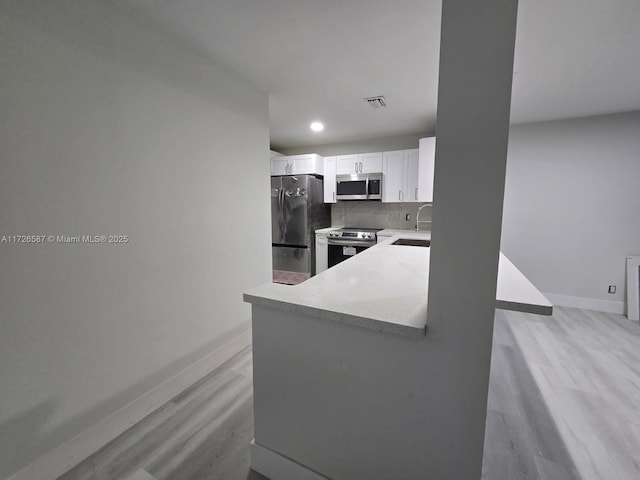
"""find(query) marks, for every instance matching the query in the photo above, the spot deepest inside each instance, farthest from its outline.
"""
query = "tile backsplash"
(372, 214)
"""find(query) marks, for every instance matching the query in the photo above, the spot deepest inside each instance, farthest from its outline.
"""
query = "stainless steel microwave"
(359, 186)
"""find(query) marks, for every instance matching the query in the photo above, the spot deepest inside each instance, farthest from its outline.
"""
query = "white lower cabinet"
(400, 176)
(322, 253)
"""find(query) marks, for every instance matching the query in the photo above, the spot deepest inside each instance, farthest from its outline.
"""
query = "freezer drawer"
(291, 265)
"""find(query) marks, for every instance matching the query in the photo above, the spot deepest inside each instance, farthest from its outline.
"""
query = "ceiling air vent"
(376, 102)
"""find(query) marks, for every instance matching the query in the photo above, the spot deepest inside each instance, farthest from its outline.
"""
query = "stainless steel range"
(347, 242)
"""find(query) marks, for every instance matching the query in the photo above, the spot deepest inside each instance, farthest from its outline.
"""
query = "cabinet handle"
(400, 195)
(356, 164)
(416, 195)
(334, 196)
(360, 167)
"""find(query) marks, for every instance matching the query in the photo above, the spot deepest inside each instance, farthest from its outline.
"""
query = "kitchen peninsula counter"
(385, 288)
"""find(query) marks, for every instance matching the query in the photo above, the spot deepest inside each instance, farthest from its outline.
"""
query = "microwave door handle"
(366, 188)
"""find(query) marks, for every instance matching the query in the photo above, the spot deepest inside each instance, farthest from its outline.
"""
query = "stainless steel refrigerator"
(297, 210)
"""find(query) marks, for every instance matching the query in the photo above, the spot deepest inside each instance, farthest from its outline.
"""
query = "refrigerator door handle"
(281, 211)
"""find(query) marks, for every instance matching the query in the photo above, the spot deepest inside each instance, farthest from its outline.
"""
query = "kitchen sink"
(414, 242)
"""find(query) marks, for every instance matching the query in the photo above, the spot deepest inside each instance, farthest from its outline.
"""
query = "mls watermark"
(64, 239)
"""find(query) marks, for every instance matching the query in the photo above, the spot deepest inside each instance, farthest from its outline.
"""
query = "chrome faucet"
(418, 216)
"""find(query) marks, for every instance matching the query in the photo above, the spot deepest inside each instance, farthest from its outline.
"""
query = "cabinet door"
(411, 162)
(330, 180)
(393, 177)
(307, 164)
(425, 169)
(360, 163)
(370, 162)
(280, 166)
(347, 164)
(322, 254)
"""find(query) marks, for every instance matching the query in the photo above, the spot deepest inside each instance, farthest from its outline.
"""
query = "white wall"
(572, 205)
(110, 128)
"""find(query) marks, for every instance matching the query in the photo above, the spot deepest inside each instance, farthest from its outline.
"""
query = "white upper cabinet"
(394, 180)
(359, 163)
(407, 174)
(412, 164)
(310, 164)
(400, 180)
(347, 164)
(425, 169)
(280, 166)
(370, 162)
(329, 179)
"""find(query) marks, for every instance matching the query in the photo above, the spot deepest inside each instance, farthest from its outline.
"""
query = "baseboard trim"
(69, 454)
(586, 303)
(278, 467)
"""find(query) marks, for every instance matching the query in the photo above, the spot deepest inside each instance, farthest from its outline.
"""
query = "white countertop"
(387, 232)
(385, 288)
(326, 229)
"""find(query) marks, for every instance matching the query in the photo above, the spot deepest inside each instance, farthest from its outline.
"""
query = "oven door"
(339, 251)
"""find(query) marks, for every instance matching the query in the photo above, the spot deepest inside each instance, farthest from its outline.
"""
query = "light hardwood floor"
(564, 397)
(563, 404)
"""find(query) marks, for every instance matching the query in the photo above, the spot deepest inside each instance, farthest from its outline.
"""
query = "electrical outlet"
(612, 289)
(407, 217)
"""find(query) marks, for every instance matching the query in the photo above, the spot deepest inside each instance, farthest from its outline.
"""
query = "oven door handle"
(350, 243)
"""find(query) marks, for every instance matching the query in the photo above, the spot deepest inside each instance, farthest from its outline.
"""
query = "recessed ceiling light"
(317, 126)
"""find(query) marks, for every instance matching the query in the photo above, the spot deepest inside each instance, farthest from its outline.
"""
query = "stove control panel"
(352, 234)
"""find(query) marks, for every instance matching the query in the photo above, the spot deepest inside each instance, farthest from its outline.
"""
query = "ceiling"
(318, 60)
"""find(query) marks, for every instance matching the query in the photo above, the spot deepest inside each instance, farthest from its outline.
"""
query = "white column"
(474, 97)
